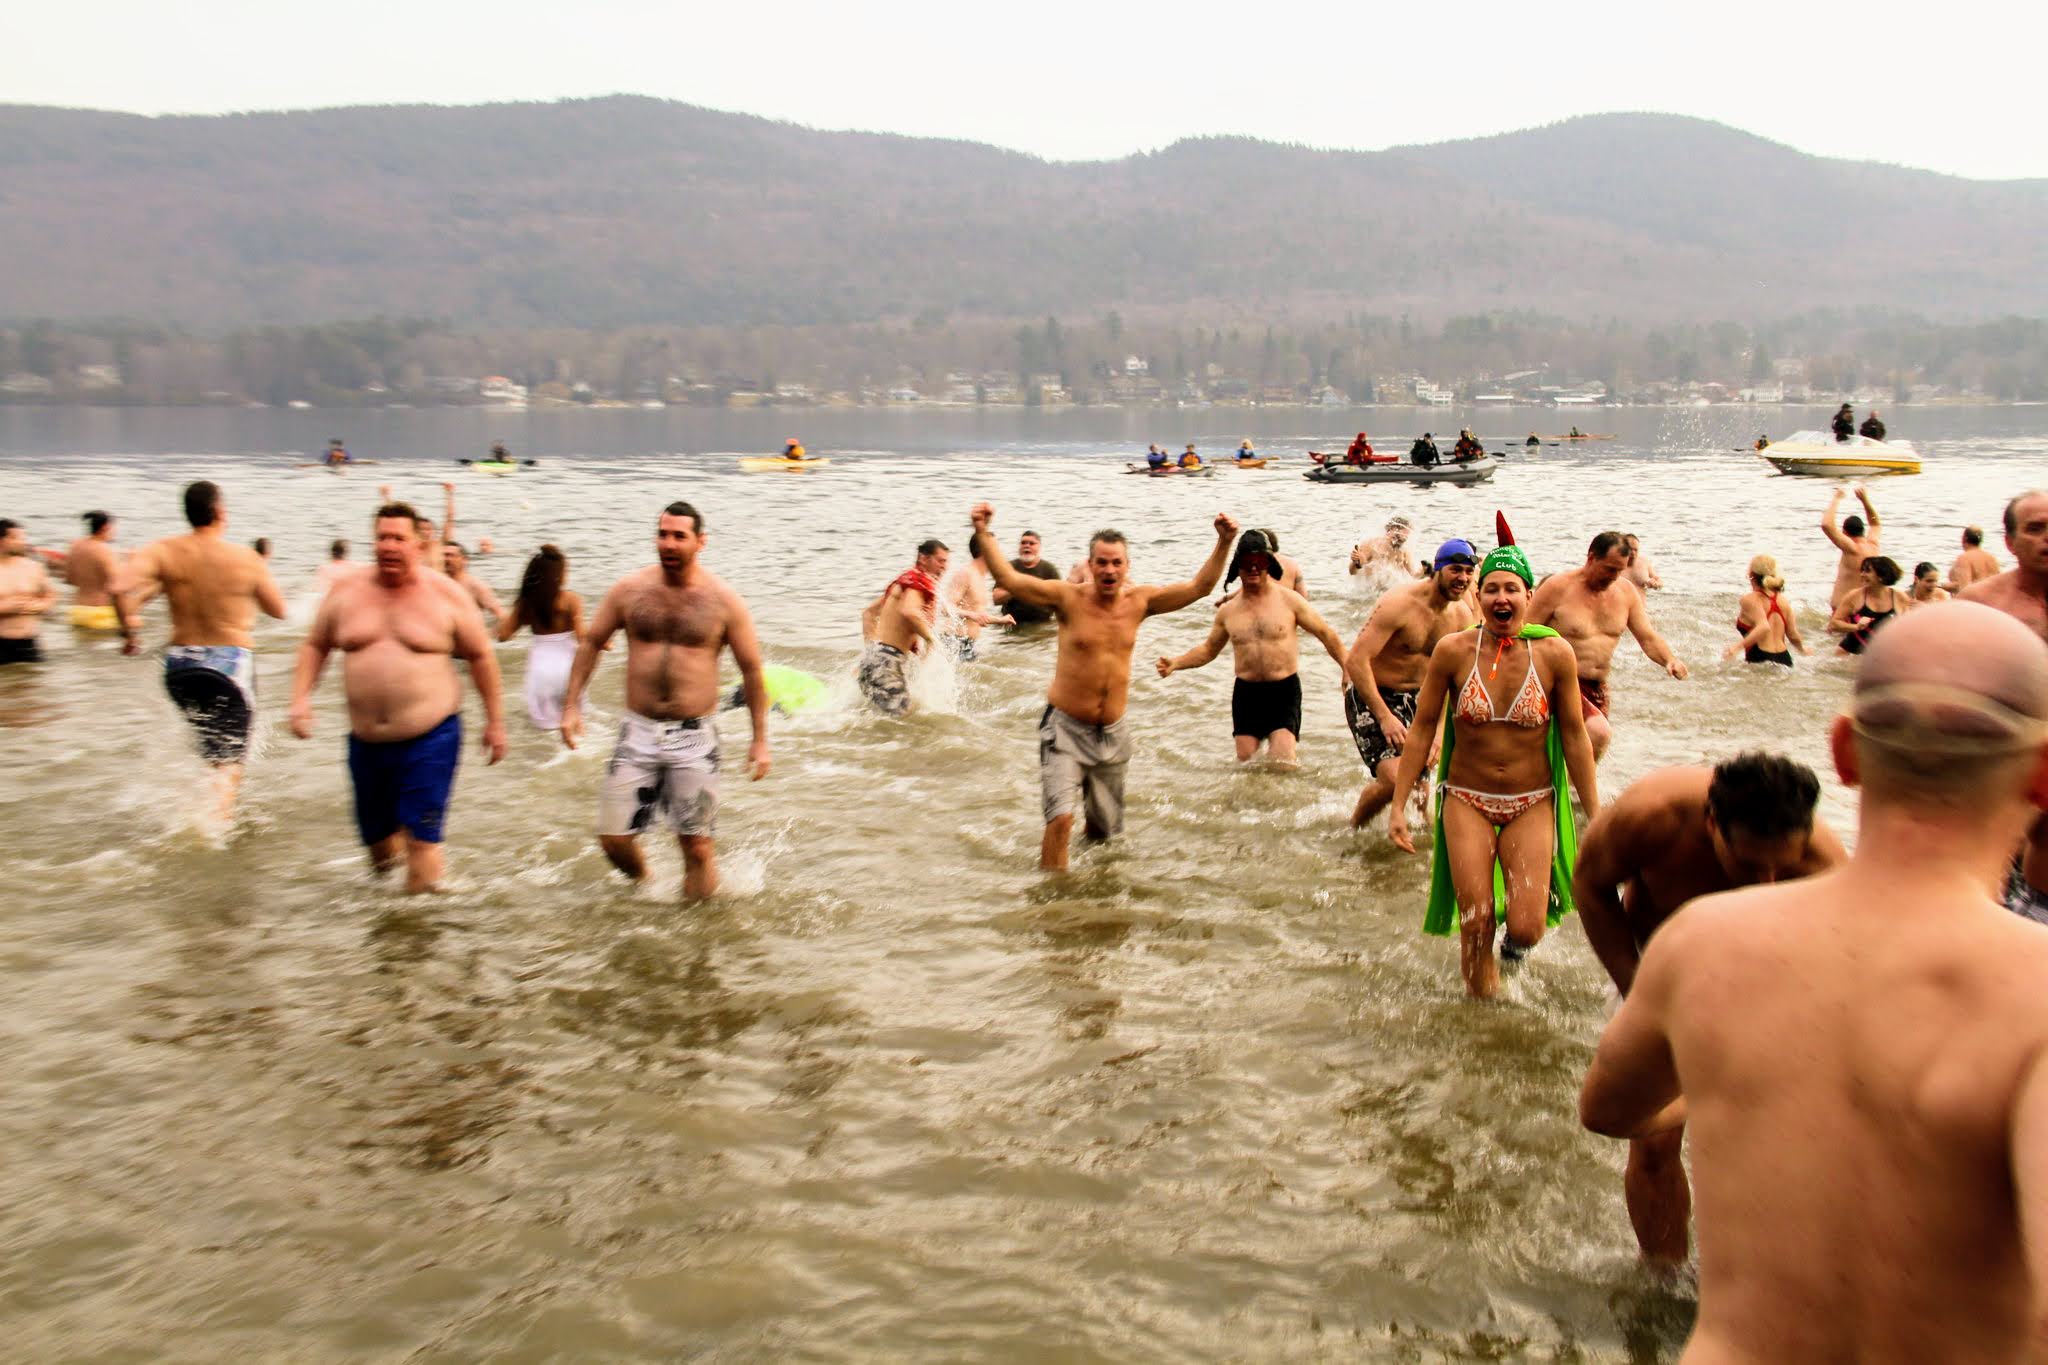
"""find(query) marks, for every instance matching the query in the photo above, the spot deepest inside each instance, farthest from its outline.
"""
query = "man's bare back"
(213, 585)
(90, 567)
(1973, 565)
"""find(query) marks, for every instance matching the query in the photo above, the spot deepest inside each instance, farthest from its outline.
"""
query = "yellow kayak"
(760, 463)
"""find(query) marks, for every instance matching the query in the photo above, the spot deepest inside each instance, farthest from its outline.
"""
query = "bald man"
(1862, 1056)
(2021, 592)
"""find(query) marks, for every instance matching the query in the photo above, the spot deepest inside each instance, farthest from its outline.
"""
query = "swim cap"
(1510, 558)
(1454, 551)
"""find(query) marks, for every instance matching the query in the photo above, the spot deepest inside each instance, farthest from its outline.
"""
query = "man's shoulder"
(1990, 589)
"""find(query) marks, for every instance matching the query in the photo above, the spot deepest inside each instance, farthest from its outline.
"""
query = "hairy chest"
(663, 616)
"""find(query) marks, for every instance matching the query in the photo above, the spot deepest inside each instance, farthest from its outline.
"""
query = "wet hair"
(1763, 794)
(2012, 510)
(397, 509)
(1763, 571)
(1973, 536)
(96, 522)
(930, 547)
(680, 508)
(1924, 567)
(338, 550)
(7, 524)
(261, 545)
(1107, 537)
(1885, 567)
(1604, 544)
(202, 503)
(1852, 525)
(540, 585)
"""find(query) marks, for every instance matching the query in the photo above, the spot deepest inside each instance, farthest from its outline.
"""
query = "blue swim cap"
(1453, 551)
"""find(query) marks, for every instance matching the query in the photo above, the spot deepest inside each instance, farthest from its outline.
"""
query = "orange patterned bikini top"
(1529, 709)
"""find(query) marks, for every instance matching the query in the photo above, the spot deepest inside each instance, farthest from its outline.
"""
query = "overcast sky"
(1950, 87)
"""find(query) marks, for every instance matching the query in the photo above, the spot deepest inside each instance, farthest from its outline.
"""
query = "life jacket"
(794, 452)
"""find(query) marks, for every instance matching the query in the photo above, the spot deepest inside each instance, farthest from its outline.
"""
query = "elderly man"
(1591, 606)
(2021, 592)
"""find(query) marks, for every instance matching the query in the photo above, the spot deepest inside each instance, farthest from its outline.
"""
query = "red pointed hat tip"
(1500, 529)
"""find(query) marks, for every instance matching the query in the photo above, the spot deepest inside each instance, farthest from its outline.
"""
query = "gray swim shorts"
(884, 678)
(1083, 764)
(661, 767)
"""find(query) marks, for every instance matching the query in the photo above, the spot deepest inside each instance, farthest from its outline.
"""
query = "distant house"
(1136, 365)
(26, 384)
(99, 377)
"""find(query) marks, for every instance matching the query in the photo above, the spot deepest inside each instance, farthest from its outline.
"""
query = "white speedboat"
(1818, 454)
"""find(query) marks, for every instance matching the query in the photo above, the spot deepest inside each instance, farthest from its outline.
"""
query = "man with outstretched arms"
(1389, 658)
(1852, 540)
(2021, 592)
(1591, 606)
(25, 595)
(214, 589)
(1677, 834)
(678, 617)
(399, 629)
(1861, 1057)
(1259, 625)
(898, 624)
(1390, 549)
(1084, 743)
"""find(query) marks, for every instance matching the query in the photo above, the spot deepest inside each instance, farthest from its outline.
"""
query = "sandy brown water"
(897, 1094)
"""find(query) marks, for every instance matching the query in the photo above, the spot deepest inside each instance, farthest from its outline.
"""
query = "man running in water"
(1591, 606)
(1851, 540)
(969, 607)
(457, 561)
(2021, 592)
(1388, 661)
(1084, 742)
(1028, 562)
(678, 617)
(25, 595)
(896, 625)
(336, 568)
(214, 590)
(1390, 549)
(1862, 1057)
(399, 630)
(1677, 834)
(1974, 564)
(91, 567)
(1260, 624)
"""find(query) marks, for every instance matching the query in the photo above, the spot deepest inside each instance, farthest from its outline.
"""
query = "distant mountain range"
(621, 211)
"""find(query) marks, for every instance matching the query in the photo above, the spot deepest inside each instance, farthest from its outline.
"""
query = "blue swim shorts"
(404, 783)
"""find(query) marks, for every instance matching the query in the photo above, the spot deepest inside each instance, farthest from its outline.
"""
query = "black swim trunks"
(1259, 709)
(1373, 745)
(215, 686)
(24, 651)
(1752, 655)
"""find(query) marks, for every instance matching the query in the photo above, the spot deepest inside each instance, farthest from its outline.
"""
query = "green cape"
(1442, 917)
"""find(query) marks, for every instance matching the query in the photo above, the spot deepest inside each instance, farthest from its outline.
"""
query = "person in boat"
(1188, 458)
(337, 454)
(1577, 434)
(792, 449)
(1467, 448)
(1505, 844)
(1763, 443)
(1872, 428)
(1245, 451)
(1769, 634)
(1360, 451)
(1423, 453)
(1859, 614)
(1155, 457)
(499, 454)
(1534, 440)
(1845, 422)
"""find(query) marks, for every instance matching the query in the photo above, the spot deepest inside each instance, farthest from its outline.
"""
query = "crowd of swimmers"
(1857, 1044)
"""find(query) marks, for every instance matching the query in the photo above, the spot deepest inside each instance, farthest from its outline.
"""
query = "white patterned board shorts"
(661, 768)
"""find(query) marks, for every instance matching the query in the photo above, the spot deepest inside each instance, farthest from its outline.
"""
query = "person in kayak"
(1188, 458)
(1534, 440)
(1763, 442)
(337, 454)
(1423, 453)
(1578, 435)
(1845, 422)
(1155, 457)
(1872, 428)
(500, 455)
(792, 449)
(1245, 451)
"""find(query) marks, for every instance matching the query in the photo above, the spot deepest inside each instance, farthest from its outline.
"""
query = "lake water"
(897, 1093)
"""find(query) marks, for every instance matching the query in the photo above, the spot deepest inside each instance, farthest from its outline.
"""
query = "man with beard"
(1591, 606)
(399, 630)
(1028, 562)
(678, 617)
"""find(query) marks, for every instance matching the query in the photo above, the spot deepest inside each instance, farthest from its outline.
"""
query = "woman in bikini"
(1863, 610)
(1763, 620)
(1514, 730)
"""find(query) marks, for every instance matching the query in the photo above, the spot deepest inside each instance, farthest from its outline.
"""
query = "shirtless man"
(1641, 571)
(1863, 1056)
(1084, 742)
(336, 568)
(969, 606)
(2021, 592)
(25, 594)
(896, 625)
(1973, 564)
(1852, 542)
(1389, 549)
(1291, 577)
(1260, 624)
(456, 560)
(1390, 657)
(1591, 606)
(678, 617)
(399, 630)
(214, 590)
(1029, 562)
(1676, 834)
(433, 541)
(91, 566)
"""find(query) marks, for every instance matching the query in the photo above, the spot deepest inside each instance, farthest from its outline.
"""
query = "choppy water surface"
(896, 1093)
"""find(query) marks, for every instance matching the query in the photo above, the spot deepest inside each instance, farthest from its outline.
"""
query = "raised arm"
(447, 516)
(1646, 635)
(1021, 587)
(610, 613)
(1177, 595)
(1631, 1089)
(473, 643)
(746, 652)
(1608, 859)
(1415, 755)
(1218, 636)
(1869, 512)
(1834, 532)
